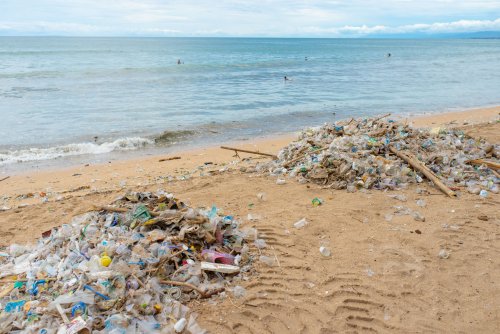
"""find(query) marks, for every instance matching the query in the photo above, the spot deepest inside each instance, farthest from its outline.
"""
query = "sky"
(263, 18)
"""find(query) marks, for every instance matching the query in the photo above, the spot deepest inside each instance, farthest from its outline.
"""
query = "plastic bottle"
(180, 325)
(325, 251)
(301, 223)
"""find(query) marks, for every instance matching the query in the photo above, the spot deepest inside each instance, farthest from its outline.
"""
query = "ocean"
(73, 100)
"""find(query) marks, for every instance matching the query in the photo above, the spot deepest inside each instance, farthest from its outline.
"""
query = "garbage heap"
(357, 154)
(125, 268)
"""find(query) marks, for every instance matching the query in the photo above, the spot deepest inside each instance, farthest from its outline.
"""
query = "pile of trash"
(126, 268)
(362, 154)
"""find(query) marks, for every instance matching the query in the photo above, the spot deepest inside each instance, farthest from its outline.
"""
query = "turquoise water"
(126, 91)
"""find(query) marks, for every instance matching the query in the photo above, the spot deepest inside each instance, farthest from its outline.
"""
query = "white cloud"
(334, 18)
(438, 27)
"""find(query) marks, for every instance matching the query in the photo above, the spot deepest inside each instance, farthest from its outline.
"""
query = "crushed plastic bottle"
(325, 251)
(239, 291)
(421, 203)
(270, 261)
(180, 325)
(260, 243)
(301, 223)
(443, 254)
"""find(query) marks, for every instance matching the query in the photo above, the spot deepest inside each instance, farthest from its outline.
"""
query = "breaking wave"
(38, 154)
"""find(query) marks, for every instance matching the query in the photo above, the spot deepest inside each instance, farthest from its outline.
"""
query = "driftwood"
(236, 150)
(168, 159)
(202, 293)
(379, 118)
(302, 157)
(479, 162)
(419, 166)
(110, 209)
(5, 178)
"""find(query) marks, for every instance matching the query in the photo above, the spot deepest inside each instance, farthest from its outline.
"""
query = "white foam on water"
(38, 154)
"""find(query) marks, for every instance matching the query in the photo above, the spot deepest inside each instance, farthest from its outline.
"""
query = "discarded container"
(220, 268)
(421, 203)
(301, 223)
(317, 201)
(239, 291)
(443, 254)
(325, 251)
(180, 325)
(270, 261)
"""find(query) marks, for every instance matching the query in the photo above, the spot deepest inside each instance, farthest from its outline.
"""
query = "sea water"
(70, 97)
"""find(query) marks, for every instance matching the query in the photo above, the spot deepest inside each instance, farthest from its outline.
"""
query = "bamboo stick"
(490, 164)
(248, 151)
(424, 170)
(168, 159)
(302, 157)
(379, 118)
(110, 208)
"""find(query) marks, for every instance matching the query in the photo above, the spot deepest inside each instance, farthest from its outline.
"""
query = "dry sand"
(383, 276)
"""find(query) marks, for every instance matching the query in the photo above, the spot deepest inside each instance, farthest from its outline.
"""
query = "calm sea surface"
(58, 94)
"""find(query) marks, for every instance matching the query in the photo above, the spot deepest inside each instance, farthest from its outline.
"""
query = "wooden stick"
(5, 178)
(480, 162)
(302, 157)
(110, 208)
(203, 294)
(138, 281)
(424, 170)
(379, 118)
(495, 173)
(248, 151)
(168, 159)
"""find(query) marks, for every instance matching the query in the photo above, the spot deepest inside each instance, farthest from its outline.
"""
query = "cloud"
(438, 27)
(325, 18)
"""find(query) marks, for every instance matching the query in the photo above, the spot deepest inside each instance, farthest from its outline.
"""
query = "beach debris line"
(169, 159)
(236, 150)
(129, 267)
(381, 153)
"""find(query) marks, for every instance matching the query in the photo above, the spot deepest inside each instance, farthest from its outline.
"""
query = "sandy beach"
(383, 276)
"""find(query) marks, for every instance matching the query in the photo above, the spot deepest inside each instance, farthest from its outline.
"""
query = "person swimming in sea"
(287, 79)
(388, 55)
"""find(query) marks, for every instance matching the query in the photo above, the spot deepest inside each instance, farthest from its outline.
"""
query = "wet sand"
(383, 276)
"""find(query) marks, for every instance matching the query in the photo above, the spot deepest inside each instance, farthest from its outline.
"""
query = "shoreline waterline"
(471, 116)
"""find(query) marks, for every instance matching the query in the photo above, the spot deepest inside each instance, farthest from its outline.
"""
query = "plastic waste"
(87, 267)
(260, 243)
(325, 251)
(180, 325)
(443, 254)
(317, 201)
(301, 223)
(219, 267)
(356, 155)
(421, 203)
(270, 261)
(239, 291)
